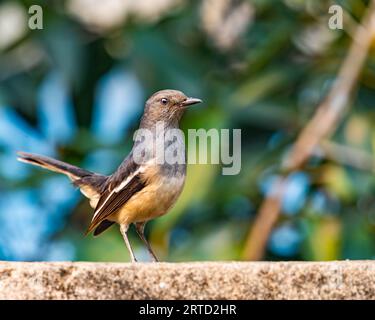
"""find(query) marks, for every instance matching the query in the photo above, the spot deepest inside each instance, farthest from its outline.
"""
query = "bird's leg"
(140, 227)
(124, 231)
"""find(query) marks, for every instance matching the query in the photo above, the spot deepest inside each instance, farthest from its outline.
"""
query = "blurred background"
(76, 89)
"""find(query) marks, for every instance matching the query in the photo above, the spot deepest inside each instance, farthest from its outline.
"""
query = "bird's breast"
(163, 187)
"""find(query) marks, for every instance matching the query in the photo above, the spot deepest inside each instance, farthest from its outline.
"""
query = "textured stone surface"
(227, 280)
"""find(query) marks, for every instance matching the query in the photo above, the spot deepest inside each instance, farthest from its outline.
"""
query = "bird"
(139, 190)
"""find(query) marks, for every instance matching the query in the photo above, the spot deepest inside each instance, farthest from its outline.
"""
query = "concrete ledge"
(228, 280)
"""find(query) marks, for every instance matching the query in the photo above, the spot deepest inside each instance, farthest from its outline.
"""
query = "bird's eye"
(164, 101)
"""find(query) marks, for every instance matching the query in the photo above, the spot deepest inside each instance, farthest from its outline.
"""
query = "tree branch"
(349, 156)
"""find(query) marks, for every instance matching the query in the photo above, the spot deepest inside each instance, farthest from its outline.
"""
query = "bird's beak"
(191, 101)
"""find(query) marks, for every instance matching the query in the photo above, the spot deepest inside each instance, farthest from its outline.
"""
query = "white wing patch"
(91, 194)
(118, 189)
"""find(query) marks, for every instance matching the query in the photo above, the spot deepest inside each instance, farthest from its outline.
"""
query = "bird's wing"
(103, 226)
(123, 185)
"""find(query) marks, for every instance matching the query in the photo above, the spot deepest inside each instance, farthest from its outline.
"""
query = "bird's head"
(167, 106)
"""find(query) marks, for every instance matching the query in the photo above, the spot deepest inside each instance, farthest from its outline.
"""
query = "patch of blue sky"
(22, 235)
(12, 169)
(118, 102)
(60, 191)
(285, 240)
(26, 210)
(103, 161)
(60, 250)
(295, 191)
(295, 194)
(322, 203)
(58, 198)
(55, 110)
(319, 201)
(16, 134)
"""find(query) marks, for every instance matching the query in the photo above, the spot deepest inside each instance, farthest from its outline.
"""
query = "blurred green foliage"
(267, 82)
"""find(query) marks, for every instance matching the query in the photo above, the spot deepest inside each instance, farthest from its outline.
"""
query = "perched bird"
(137, 191)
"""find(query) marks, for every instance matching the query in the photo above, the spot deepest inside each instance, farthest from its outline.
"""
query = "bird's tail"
(73, 172)
(90, 183)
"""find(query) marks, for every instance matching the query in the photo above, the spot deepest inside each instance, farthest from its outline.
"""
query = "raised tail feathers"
(90, 183)
(71, 171)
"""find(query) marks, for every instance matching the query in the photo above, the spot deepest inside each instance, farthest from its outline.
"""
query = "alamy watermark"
(336, 21)
(165, 145)
(36, 17)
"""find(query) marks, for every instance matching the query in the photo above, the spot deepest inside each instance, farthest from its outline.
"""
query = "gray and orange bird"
(137, 191)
